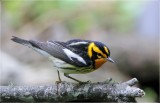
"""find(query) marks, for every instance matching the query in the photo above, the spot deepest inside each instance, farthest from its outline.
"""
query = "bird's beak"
(109, 59)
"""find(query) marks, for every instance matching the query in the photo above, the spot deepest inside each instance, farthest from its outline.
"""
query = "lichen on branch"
(106, 91)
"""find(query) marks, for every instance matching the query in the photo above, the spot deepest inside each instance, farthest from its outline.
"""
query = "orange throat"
(99, 62)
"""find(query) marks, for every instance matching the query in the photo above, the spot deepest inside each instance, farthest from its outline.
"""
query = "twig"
(65, 91)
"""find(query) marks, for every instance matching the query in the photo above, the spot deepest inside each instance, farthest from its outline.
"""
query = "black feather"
(26, 42)
(35, 44)
(101, 47)
(55, 48)
(19, 40)
(81, 47)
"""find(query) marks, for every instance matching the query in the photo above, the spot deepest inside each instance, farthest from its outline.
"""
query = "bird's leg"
(59, 77)
(67, 75)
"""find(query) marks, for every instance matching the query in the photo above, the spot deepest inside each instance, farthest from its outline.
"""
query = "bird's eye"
(99, 55)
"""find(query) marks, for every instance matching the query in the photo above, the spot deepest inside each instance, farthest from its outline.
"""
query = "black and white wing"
(58, 50)
(62, 51)
(78, 44)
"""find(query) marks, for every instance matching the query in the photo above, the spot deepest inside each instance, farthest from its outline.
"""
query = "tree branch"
(65, 91)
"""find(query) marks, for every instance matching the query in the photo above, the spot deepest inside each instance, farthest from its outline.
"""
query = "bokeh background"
(128, 27)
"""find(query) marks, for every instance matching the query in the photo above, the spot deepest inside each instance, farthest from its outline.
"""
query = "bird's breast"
(68, 68)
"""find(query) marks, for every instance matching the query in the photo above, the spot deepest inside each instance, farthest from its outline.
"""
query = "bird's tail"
(35, 45)
(21, 41)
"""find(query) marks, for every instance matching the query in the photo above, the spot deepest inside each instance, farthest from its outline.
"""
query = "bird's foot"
(108, 80)
(57, 82)
(85, 82)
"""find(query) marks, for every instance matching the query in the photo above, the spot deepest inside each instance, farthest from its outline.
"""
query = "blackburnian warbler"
(72, 57)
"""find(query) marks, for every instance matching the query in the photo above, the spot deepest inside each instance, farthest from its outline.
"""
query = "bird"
(75, 56)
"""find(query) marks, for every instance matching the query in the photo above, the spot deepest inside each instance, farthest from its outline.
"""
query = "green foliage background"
(117, 23)
(77, 16)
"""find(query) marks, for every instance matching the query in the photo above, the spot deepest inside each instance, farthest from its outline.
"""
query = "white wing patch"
(70, 54)
(78, 43)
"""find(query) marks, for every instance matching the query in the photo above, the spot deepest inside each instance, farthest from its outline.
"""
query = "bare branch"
(131, 82)
(65, 91)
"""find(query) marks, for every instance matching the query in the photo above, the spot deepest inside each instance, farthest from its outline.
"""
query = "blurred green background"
(129, 28)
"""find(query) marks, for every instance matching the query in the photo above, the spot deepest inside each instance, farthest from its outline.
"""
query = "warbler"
(72, 57)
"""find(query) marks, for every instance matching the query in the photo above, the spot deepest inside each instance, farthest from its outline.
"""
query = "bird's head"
(99, 53)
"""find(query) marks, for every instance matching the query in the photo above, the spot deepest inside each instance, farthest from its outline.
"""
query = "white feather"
(78, 43)
(70, 54)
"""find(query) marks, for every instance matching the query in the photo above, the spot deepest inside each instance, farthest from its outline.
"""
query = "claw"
(108, 80)
(85, 82)
(57, 82)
